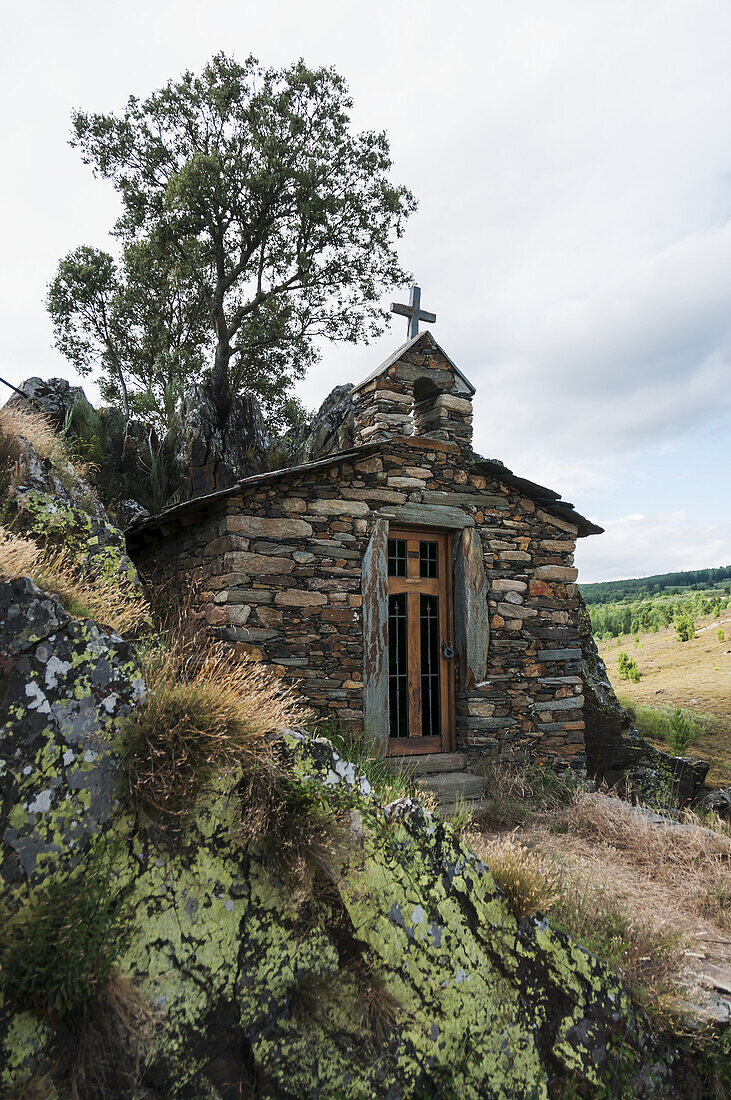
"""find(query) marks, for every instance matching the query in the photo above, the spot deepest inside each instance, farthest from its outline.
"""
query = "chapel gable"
(419, 392)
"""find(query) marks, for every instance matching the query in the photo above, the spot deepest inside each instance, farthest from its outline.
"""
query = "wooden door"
(420, 642)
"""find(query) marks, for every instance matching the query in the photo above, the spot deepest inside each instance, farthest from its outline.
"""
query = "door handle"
(447, 651)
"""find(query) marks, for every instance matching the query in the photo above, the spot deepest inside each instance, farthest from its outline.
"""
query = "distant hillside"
(692, 580)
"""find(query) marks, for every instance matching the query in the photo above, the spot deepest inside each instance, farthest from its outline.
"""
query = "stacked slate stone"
(418, 392)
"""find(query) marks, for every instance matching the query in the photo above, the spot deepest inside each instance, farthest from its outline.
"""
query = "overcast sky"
(572, 162)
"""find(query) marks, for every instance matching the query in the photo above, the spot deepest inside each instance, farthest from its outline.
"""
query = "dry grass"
(517, 793)
(529, 881)
(54, 570)
(23, 422)
(201, 717)
(693, 859)
(648, 956)
(103, 1046)
(653, 901)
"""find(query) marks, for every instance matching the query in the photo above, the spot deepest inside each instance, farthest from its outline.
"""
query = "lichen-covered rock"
(259, 992)
(331, 428)
(63, 683)
(53, 505)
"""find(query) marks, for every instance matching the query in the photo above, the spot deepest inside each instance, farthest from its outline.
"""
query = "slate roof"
(547, 499)
(396, 355)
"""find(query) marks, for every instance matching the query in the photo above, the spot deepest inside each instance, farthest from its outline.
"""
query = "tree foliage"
(254, 221)
(137, 323)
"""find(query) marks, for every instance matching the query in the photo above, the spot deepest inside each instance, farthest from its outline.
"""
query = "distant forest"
(668, 584)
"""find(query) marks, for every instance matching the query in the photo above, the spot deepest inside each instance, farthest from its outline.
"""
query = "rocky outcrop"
(212, 456)
(254, 992)
(330, 430)
(196, 456)
(54, 398)
(49, 502)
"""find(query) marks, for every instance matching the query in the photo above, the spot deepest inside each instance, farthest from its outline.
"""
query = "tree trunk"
(220, 381)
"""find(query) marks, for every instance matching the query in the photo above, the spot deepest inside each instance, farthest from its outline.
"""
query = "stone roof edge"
(402, 351)
(549, 500)
(254, 479)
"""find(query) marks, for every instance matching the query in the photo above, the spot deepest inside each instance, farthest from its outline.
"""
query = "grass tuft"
(105, 1042)
(108, 602)
(37, 1087)
(60, 950)
(390, 782)
(518, 793)
(300, 828)
(462, 818)
(530, 883)
(203, 715)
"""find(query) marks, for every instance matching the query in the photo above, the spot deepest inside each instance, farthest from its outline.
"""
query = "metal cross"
(413, 311)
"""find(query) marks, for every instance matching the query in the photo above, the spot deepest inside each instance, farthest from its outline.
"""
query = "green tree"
(627, 668)
(684, 626)
(137, 323)
(280, 220)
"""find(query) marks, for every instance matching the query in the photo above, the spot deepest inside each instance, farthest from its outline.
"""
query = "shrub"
(627, 668)
(202, 715)
(529, 882)
(720, 634)
(109, 602)
(679, 732)
(684, 626)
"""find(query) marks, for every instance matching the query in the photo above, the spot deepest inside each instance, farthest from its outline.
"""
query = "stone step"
(431, 763)
(475, 806)
(449, 787)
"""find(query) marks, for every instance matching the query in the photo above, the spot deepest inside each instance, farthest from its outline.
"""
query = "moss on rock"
(256, 988)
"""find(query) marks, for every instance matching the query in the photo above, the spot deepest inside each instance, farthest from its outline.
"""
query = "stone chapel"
(404, 585)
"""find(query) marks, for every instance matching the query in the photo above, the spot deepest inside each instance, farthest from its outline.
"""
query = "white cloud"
(639, 545)
(572, 163)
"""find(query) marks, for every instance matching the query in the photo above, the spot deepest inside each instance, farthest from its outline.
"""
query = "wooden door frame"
(419, 745)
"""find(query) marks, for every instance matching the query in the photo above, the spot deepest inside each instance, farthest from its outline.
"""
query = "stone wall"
(279, 563)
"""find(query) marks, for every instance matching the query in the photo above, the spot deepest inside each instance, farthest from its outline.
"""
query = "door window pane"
(429, 624)
(397, 557)
(398, 672)
(428, 559)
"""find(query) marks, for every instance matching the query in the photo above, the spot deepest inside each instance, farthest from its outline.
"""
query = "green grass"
(388, 781)
(655, 722)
